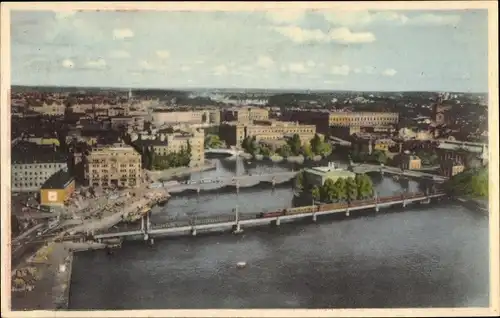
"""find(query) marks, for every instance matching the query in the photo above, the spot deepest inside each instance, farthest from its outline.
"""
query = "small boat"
(241, 264)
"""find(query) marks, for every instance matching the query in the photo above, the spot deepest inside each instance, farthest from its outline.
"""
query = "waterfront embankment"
(43, 280)
(163, 175)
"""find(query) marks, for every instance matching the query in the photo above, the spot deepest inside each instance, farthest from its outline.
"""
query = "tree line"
(343, 189)
(154, 161)
(293, 147)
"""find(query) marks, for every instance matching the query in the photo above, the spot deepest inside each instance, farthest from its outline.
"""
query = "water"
(435, 256)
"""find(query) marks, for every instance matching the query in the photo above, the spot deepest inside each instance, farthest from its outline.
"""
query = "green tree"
(316, 143)
(307, 151)
(299, 181)
(340, 189)
(379, 156)
(285, 151)
(325, 149)
(316, 193)
(364, 185)
(295, 144)
(212, 141)
(328, 192)
(265, 151)
(351, 189)
(204, 118)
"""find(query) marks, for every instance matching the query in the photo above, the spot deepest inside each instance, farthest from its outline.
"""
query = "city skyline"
(317, 50)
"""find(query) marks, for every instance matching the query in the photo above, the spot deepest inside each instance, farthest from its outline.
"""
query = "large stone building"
(165, 143)
(114, 165)
(233, 133)
(32, 165)
(162, 117)
(323, 120)
(244, 114)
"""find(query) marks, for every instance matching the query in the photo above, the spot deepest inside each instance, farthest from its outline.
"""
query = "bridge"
(236, 221)
(339, 141)
(237, 181)
(223, 151)
(364, 168)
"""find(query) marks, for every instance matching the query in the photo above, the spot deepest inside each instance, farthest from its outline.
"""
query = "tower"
(130, 94)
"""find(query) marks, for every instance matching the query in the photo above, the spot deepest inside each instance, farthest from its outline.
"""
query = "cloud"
(357, 70)
(285, 16)
(389, 72)
(119, 54)
(146, 65)
(163, 54)
(185, 68)
(120, 34)
(339, 35)
(311, 63)
(357, 18)
(341, 70)
(297, 68)
(265, 61)
(96, 64)
(220, 70)
(68, 63)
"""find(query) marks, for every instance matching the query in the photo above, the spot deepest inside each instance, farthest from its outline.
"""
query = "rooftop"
(58, 180)
(27, 153)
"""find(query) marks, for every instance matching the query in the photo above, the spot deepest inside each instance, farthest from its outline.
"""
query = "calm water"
(435, 256)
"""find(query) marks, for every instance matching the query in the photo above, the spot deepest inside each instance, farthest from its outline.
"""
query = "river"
(423, 256)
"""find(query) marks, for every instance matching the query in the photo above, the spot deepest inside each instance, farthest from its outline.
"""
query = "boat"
(241, 264)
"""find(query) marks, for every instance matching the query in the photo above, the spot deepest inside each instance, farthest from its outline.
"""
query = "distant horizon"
(188, 89)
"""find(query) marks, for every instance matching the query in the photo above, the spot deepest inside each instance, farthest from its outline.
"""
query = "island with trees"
(342, 190)
(471, 183)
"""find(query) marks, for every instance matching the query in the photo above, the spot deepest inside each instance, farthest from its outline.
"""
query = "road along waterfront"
(435, 255)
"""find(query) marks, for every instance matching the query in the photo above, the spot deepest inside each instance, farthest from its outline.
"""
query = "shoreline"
(165, 175)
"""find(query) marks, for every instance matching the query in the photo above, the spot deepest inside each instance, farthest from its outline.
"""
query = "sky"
(280, 49)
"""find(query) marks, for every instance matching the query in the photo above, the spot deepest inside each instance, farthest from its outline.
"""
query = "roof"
(26, 153)
(149, 142)
(58, 180)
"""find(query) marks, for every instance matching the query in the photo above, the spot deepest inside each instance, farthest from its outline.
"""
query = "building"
(440, 113)
(162, 117)
(409, 162)
(233, 133)
(166, 143)
(324, 119)
(244, 114)
(318, 175)
(367, 144)
(114, 165)
(57, 189)
(451, 167)
(55, 109)
(32, 165)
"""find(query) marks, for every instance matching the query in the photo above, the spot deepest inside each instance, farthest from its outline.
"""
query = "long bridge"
(250, 180)
(236, 221)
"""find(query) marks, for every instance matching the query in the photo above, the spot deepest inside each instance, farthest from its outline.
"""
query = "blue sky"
(338, 50)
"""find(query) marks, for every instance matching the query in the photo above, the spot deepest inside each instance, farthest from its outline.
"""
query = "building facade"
(325, 119)
(234, 133)
(115, 165)
(244, 114)
(57, 189)
(451, 167)
(166, 143)
(409, 162)
(32, 165)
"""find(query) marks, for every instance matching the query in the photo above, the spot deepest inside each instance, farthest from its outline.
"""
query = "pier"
(237, 221)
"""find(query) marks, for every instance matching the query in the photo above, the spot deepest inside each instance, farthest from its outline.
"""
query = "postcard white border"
(491, 6)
